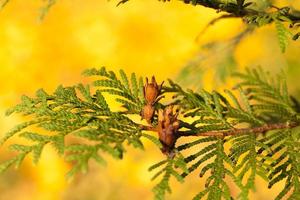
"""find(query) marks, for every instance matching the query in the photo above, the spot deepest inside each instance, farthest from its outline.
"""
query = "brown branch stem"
(241, 11)
(237, 131)
(255, 130)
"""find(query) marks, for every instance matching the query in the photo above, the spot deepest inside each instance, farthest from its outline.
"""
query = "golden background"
(147, 37)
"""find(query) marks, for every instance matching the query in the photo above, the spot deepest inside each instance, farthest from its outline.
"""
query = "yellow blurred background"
(147, 37)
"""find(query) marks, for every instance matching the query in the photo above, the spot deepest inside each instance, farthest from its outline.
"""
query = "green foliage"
(263, 100)
(241, 119)
(285, 155)
(75, 111)
(129, 94)
(215, 185)
(169, 167)
(244, 155)
(283, 35)
(270, 97)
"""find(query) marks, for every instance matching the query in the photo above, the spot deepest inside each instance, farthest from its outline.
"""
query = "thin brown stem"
(254, 130)
(238, 11)
(222, 133)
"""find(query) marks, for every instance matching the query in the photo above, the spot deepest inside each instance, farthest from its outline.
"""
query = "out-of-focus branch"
(241, 9)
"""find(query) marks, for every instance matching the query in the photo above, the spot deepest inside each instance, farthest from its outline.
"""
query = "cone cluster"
(168, 124)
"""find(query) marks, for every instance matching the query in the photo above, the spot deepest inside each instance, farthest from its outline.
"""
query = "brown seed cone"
(151, 90)
(168, 125)
(147, 113)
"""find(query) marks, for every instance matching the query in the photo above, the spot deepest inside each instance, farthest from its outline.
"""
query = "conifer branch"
(265, 106)
(241, 9)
